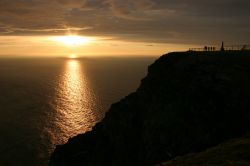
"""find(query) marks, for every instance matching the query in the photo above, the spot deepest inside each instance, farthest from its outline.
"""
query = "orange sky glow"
(80, 46)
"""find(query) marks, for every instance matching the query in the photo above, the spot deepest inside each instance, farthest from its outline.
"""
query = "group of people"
(222, 48)
(206, 48)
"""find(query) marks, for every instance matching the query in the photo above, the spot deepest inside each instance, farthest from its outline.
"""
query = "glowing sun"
(72, 40)
(72, 56)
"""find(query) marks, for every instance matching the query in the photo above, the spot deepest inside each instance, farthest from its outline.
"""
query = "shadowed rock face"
(188, 102)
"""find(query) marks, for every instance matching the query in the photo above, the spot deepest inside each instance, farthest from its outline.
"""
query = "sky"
(120, 27)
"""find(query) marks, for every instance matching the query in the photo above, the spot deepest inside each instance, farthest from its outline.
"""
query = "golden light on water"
(74, 103)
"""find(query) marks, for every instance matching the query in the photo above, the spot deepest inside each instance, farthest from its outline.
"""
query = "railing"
(237, 47)
(226, 48)
(203, 49)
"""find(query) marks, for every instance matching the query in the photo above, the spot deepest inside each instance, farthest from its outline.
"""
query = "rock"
(188, 102)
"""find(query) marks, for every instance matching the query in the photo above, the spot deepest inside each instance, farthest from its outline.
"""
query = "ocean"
(45, 101)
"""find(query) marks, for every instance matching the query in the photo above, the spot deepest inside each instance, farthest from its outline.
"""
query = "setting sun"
(72, 40)
(72, 56)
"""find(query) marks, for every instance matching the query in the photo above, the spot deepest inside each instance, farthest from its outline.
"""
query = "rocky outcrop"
(188, 102)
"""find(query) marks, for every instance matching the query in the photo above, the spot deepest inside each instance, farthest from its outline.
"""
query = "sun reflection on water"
(74, 103)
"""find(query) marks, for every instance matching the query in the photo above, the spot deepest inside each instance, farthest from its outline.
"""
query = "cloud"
(130, 9)
(163, 21)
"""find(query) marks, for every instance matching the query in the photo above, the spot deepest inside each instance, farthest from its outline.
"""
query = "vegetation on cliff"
(235, 152)
(188, 102)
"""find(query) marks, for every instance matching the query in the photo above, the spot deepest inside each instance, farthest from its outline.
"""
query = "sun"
(72, 56)
(72, 40)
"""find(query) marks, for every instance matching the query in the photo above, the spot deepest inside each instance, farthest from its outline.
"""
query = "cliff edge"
(187, 103)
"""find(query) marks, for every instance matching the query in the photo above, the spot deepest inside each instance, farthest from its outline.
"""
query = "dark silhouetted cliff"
(187, 103)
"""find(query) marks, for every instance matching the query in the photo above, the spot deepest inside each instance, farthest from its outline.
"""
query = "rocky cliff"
(188, 102)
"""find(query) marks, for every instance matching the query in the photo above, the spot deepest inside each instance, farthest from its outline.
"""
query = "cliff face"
(187, 103)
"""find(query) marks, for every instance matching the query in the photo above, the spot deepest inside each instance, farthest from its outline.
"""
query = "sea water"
(45, 101)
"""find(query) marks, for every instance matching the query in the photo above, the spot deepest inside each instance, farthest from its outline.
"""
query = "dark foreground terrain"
(191, 104)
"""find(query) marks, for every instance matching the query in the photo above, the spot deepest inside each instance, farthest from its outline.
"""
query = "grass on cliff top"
(235, 152)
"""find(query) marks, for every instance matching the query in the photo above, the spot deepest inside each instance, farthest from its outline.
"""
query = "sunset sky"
(119, 27)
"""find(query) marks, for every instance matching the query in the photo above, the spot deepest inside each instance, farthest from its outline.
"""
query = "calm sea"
(45, 101)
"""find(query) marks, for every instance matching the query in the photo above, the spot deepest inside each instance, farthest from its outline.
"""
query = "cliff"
(188, 102)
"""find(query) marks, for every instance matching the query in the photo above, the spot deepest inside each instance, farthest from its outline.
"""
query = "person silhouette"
(205, 48)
